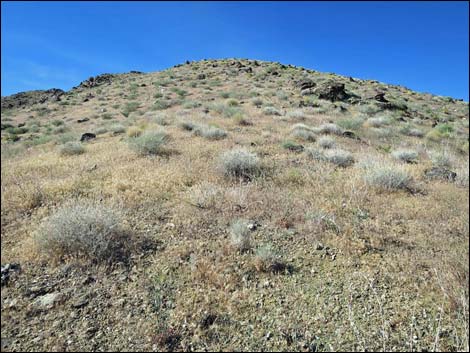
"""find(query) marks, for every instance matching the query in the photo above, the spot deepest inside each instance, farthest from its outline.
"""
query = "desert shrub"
(257, 102)
(315, 154)
(240, 235)
(191, 104)
(101, 130)
(351, 123)
(57, 122)
(134, 131)
(411, 131)
(445, 129)
(162, 120)
(239, 119)
(71, 148)
(210, 132)
(161, 104)
(386, 176)
(378, 121)
(326, 142)
(442, 159)
(304, 134)
(129, 108)
(149, 143)
(339, 157)
(64, 138)
(405, 155)
(271, 111)
(226, 111)
(187, 125)
(232, 103)
(296, 114)
(267, 259)
(330, 128)
(205, 195)
(292, 146)
(84, 229)
(240, 163)
(369, 109)
(118, 129)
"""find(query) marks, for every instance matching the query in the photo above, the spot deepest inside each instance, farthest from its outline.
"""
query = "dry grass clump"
(296, 114)
(267, 259)
(71, 148)
(442, 159)
(210, 132)
(84, 229)
(205, 195)
(187, 125)
(240, 163)
(326, 142)
(330, 128)
(388, 177)
(378, 121)
(118, 129)
(405, 155)
(271, 111)
(149, 143)
(339, 157)
(240, 235)
(303, 132)
(134, 131)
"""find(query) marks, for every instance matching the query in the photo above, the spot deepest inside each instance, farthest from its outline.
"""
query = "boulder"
(31, 97)
(332, 91)
(87, 136)
(440, 173)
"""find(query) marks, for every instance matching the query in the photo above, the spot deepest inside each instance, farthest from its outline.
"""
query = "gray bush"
(71, 148)
(240, 235)
(84, 229)
(387, 176)
(149, 143)
(405, 155)
(240, 163)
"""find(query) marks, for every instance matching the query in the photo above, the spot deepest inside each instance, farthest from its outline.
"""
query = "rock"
(350, 135)
(88, 97)
(253, 226)
(82, 120)
(87, 136)
(136, 72)
(248, 70)
(7, 271)
(304, 84)
(332, 91)
(47, 301)
(97, 81)
(80, 302)
(201, 77)
(380, 97)
(31, 97)
(440, 173)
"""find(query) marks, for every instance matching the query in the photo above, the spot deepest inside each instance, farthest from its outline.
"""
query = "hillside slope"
(234, 205)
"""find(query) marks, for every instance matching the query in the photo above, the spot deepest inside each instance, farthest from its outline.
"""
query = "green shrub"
(149, 143)
(71, 148)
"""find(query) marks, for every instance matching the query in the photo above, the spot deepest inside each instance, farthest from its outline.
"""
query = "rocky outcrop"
(97, 80)
(332, 91)
(31, 97)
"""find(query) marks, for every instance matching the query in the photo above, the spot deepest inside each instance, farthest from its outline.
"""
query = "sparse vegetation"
(84, 229)
(149, 143)
(71, 148)
(240, 163)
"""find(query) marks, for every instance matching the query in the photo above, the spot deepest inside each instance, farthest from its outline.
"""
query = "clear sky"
(421, 45)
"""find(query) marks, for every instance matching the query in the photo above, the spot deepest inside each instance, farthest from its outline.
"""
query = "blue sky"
(421, 45)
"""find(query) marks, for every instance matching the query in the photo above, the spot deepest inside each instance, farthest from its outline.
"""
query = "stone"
(332, 91)
(440, 173)
(48, 300)
(82, 120)
(87, 136)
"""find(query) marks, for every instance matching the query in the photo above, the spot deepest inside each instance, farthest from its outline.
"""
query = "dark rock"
(332, 91)
(87, 136)
(201, 77)
(82, 120)
(440, 173)
(136, 72)
(380, 97)
(31, 97)
(208, 320)
(187, 62)
(304, 84)
(7, 271)
(350, 134)
(248, 70)
(97, 80)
